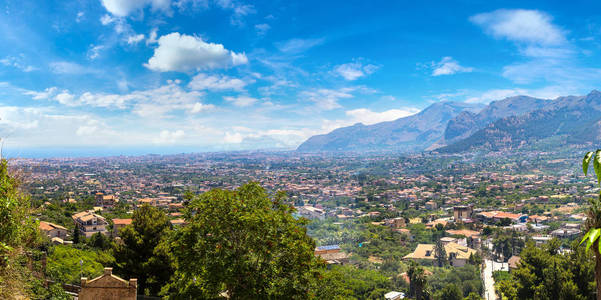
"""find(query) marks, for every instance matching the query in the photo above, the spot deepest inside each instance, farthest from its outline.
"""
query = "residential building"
(311, 212)
(53, 230)
(89, 223)
(332, 254)
(106, 201)
(118, 224)
(457, 255)
(463, 212)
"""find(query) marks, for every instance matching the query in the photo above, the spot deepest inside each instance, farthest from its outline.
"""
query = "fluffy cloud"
(233, 138)
(327, 99)
(180, 52)
(241, 101)
(519, 25)
(353, 71)
(134, 39)
(199, 107)
(368, 117)
(448, 66)
(152, 102)
(215, 83)
(169, 137)
(122, 8)
(43, 95)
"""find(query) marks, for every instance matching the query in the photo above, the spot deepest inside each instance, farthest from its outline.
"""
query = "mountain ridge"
(458, 126)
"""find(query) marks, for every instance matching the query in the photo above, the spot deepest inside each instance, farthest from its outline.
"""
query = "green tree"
(140, 254)
(417, 281)
(76, 235)
(19, 236)
(451, 292)
(100, 241)
(440, 253)
(545, 274)
(349, 282)
(17, 229)
(473, 296)
(242, 243)
(593, 221)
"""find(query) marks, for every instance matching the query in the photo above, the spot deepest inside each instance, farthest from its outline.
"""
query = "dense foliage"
(242, 243)
(544, 273)
(139, 253)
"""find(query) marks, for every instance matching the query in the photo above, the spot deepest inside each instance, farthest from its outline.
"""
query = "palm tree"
(417, 281)
(593, 221)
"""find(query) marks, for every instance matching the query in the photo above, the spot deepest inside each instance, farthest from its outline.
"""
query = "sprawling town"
(378, 213)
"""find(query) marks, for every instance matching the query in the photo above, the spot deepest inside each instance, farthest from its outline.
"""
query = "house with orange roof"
(53, 230)
(118, 224)
(88, 223)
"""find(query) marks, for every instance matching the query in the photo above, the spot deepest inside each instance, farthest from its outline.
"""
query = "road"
(489, 282)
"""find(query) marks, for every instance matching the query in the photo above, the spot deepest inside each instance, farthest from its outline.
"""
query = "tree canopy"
(244, 244)
(140, 255)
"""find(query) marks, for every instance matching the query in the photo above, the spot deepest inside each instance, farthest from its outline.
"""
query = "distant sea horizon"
(82, 152)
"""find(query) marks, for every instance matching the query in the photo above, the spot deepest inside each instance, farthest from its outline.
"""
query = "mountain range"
(452, 127)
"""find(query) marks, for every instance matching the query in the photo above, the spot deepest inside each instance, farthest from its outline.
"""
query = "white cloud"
(86, 130)
(368, 117)
(65, 98)
(448, 66)
(185, 53)
(550, 57)
(152, 37)
(122, 8)
(199, 107)
(262, 28)
(495, 94)
(216, 83)
(134, 39)
(238, 9)
(241, 101)
(355, 70)
(152, 102)
(327, 99)
(43, 95)
(233, 138)
(17, 62)
(294, 46)
(520, 25)
(106, 20)
(169, 137)
(79, 17)
(94, 51)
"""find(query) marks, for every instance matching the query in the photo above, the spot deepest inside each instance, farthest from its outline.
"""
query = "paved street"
(489, 282)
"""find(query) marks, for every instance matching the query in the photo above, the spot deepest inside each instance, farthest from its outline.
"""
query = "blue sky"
(204, 75)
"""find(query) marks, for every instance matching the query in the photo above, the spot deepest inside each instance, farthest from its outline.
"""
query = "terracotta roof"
(503, 215)
(489, 214)
(121, 221)
(463, 232)
(46, 226)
